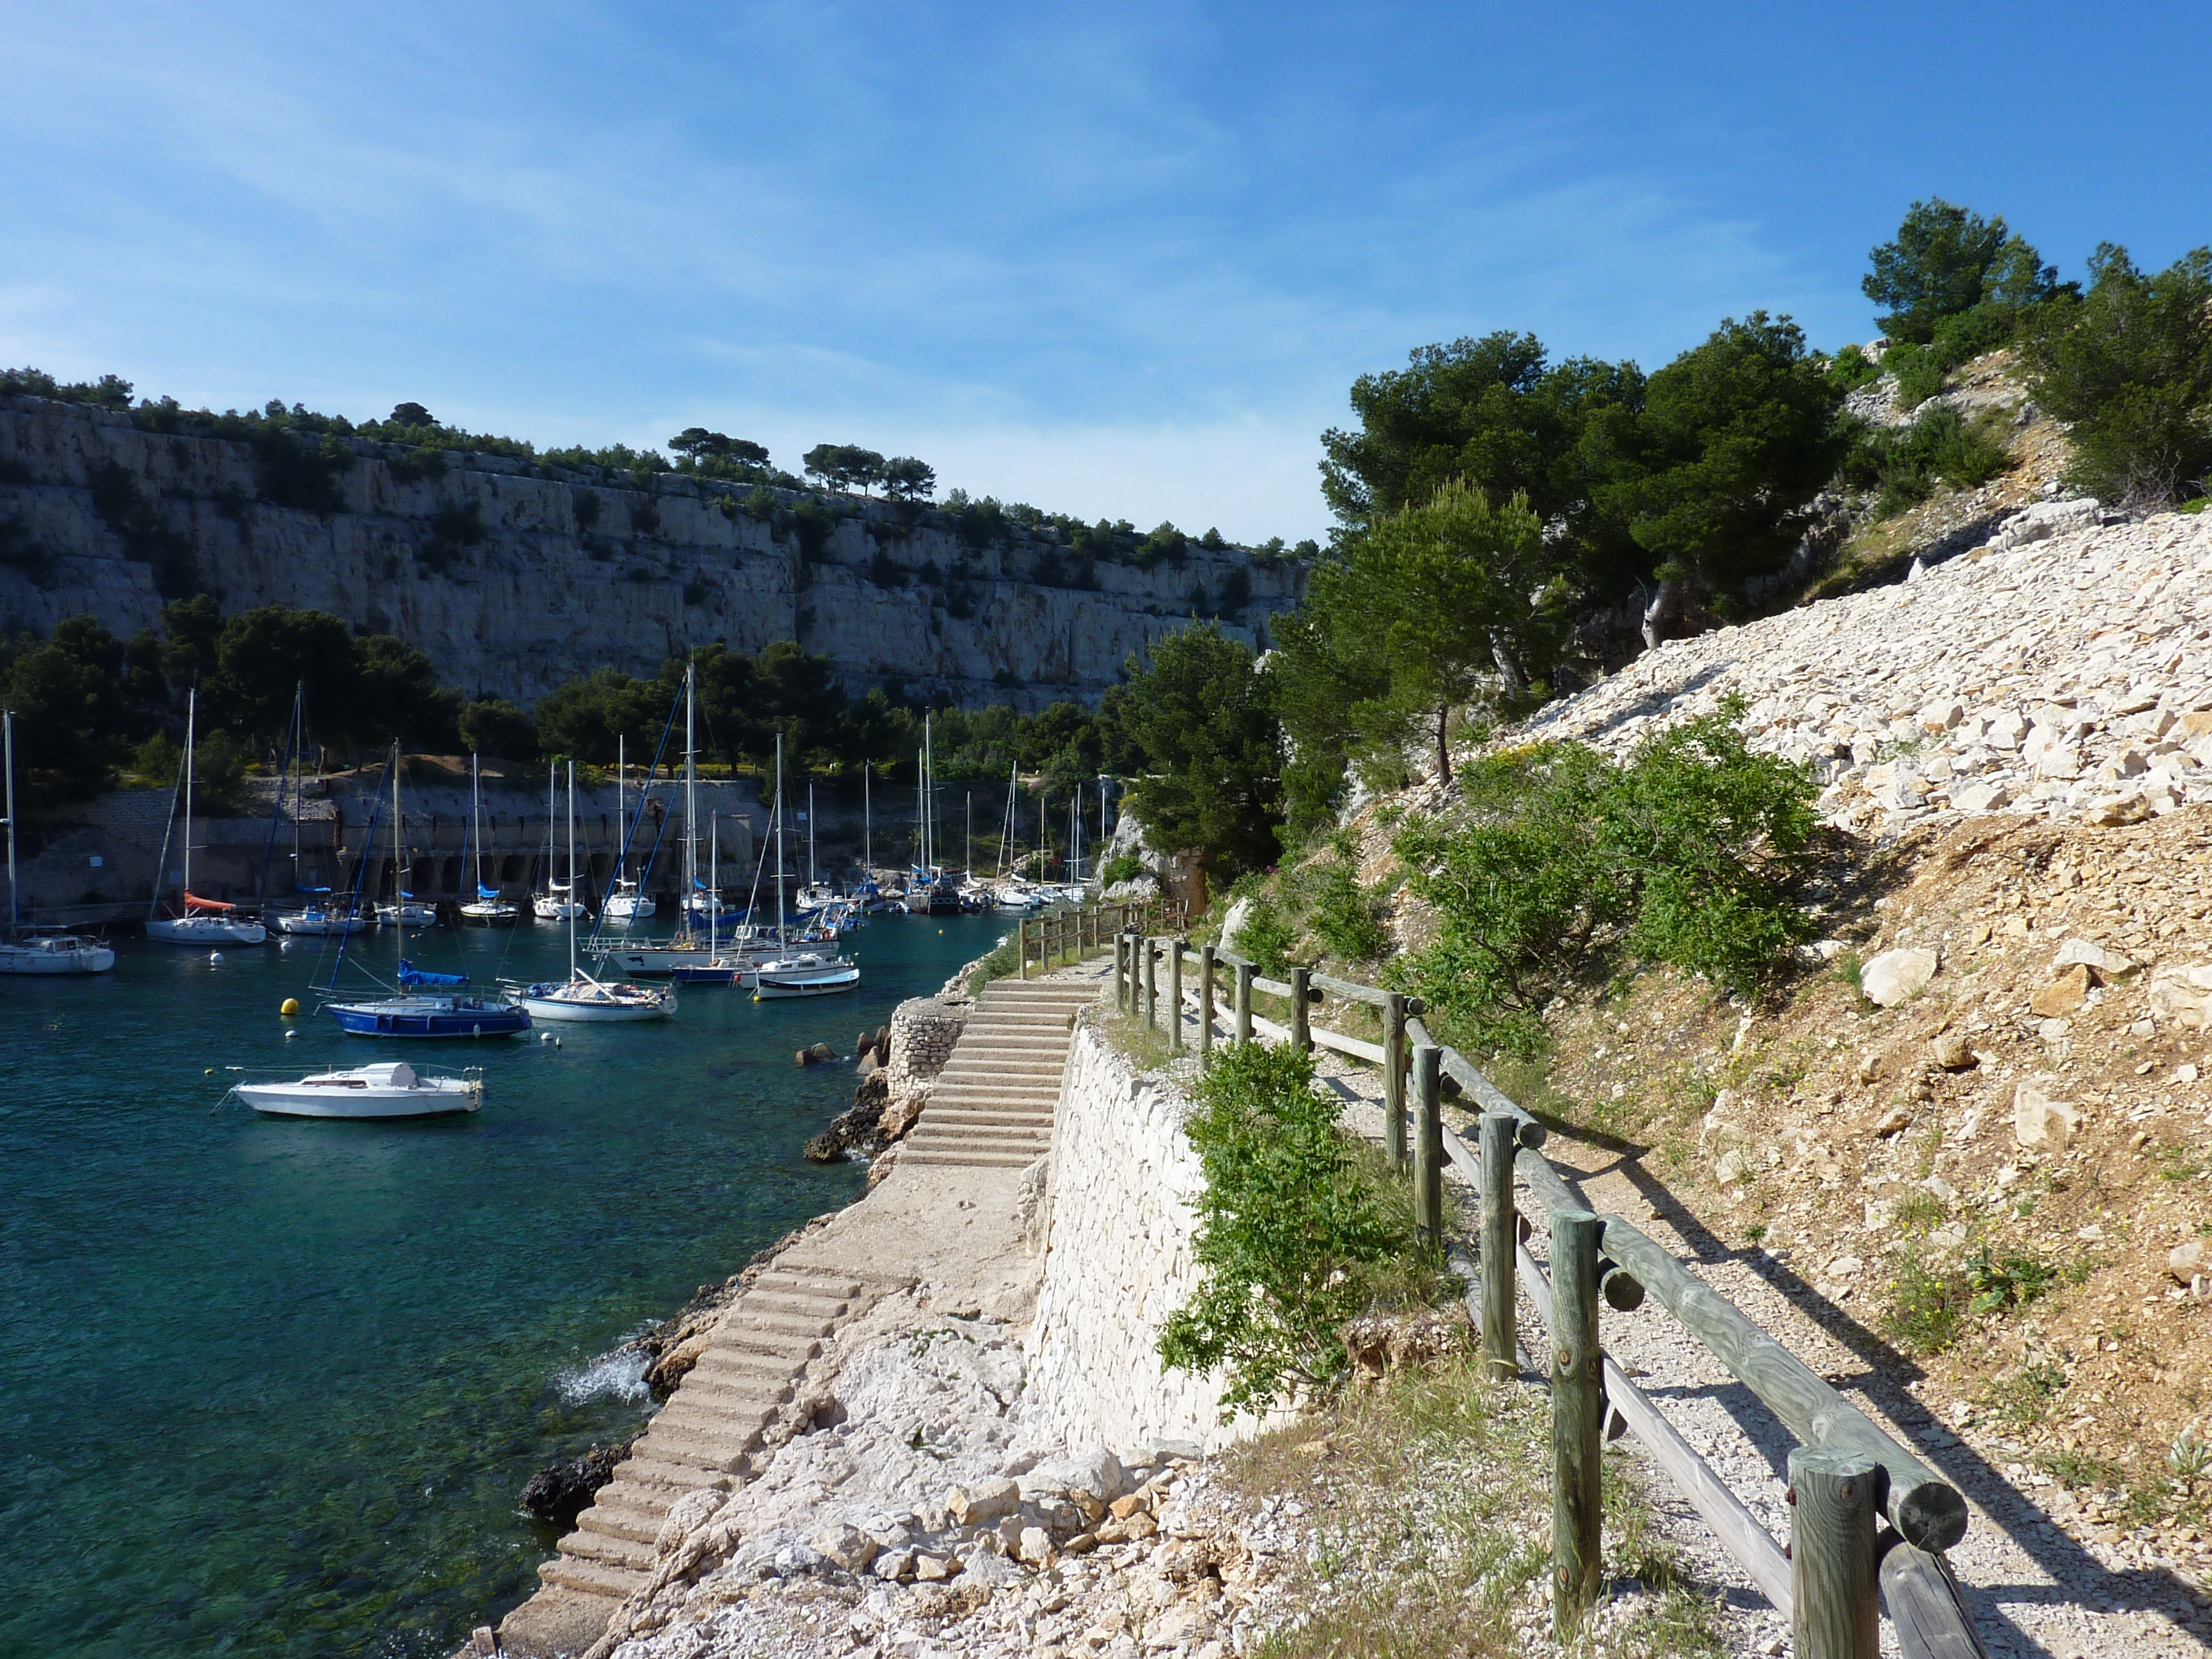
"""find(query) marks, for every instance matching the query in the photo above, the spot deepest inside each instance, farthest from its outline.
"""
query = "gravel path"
(2036, 1588)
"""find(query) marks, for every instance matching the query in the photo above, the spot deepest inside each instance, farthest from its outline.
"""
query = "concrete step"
(797, 1326)
(607, 1547)
(801, 1303)
(841, 1287)
(731, 1364)
(734, 1418)
(674, 1474)
(732, 1390)
(647, 1503)
(592, 1577)
(1010, 1141)
(870, 1281)
(682, 1443)
(975, 1117)
(1040, 1091)
(634, 1525)
(927, 1156)
(962, 1145)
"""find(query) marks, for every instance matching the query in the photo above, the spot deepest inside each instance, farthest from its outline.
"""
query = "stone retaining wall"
(923, 1031)
(1117, 1231)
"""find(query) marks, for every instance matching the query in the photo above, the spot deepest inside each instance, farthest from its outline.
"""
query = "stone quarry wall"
(578, 570)
(1117, 1226)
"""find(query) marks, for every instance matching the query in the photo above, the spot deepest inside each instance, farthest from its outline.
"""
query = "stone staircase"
(714, 1420)
(993, 1104)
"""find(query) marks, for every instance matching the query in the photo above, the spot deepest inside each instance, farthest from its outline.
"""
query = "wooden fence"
(1868, 1517)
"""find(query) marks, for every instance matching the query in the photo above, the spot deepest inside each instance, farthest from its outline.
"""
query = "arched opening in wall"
(386, 881)
(511, 867)
(449, 876)
(596, 868)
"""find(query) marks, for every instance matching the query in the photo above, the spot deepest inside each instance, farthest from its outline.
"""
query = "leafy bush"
(1687, 853)
(884, 570)
(1851, 369)
(644, 518)
(495, 727)
(587, 507)
(1939, 447)
(1266, 937)
(1293, 1230)
(291, 472)
(2130, 364)
(1123, 866)
(418, 466)
(147, 536)
(1346, 918)
(1947, 260)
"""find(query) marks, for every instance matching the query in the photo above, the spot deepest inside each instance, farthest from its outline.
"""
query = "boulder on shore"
(558, 1494)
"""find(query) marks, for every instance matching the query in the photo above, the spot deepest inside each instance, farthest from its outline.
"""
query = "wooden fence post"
(1204, 1000)
(1176, 948)
(1151, 954)
(1022, 943)
(1394, 1079)
(1120, 973)
(1836, 1613)
(1429, 1146)
(1499, 1144)
(1577, 1382)
(1301, 1023)
(1243, 1002)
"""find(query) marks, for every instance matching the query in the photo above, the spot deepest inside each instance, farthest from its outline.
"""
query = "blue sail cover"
(484, 892)
(312, 890)
(413, 977)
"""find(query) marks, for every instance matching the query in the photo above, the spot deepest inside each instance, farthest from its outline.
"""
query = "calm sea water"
(272, 1388)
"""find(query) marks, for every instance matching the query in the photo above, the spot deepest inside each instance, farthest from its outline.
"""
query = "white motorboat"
(320, 919)
(816, 895)
(408, 912)
(392, 1089)
(198, 921)
(55, 953)
(554, 905)
(582, 998)
(806, 975)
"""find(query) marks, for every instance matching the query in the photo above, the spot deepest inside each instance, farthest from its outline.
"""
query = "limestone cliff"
(514, 576)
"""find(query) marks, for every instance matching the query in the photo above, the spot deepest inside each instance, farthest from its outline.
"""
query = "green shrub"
(1122, 867)
(1851, 369)
(1565, 862)
(1926, 1307)
(2130, 364)
(1293, 1232)
(1269, 939)
(1005, 959)
(1345, 919)
(1939, 448)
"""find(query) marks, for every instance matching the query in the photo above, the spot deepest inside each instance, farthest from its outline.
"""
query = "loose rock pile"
(2065, 668)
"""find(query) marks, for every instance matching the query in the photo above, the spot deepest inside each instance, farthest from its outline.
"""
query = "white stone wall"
(1118, 1229)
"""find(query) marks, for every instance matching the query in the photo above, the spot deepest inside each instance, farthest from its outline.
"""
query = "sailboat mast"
(569, 901)
(299, 741)
(690, 804)
(192, 712)
(8, 742)
(779, 945)
(867, 817)
(714, 880)
(622, 835)
(399, 881)
(1044, 841)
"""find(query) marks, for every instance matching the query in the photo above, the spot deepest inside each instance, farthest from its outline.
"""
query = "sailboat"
(798, 973)
(624, 903)
(583, 998)
(198, 921)
(40, 953)
(684, 948)
(487, 908)
(559, 902)
(817, 895)
(424, 1004)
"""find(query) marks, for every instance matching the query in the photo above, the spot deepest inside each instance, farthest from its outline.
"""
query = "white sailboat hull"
(321, 923)
(204, 931)
(67, 954)
(584, 1002)
(553, 909)
(491, 913)
(804, 977)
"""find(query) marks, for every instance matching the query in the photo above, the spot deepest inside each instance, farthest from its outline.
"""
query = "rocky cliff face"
(560, 572)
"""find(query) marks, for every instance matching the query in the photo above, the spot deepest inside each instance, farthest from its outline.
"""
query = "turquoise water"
(271, 1387)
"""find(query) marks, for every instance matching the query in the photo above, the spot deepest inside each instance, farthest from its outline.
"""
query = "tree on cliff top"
(1944, 261)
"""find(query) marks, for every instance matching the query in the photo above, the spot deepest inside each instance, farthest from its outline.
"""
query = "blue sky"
(1117, 261)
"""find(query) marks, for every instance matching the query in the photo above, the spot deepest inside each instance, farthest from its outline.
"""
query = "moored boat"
(582, 998)
(391, 1089)
(55, 953)
(199, 921)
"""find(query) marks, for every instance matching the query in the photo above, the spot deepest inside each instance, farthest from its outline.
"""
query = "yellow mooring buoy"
(289, 1007)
